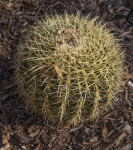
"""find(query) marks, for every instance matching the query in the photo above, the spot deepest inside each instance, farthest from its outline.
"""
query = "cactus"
(68, 68)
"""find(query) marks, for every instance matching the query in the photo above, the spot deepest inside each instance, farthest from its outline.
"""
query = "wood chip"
(128, 75)
(113, 27)
(5, 147)
(127, 147)
(110, 114)
(9, 6)
(5, 134)
(25, 23)
(25, 139)
(121, 137)
(120, 8)
(128, 129)
(104, 132)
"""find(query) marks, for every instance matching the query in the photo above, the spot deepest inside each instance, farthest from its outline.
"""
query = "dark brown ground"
(20, 130)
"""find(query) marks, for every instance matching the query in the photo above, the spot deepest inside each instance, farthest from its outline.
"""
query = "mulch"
(20, 130)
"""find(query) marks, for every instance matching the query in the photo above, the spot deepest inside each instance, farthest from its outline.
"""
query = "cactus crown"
(68, 67)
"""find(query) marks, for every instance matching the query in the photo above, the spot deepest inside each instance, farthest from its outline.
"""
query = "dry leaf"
(128, 75)
(58, 71)
(9, 6)
(34, 134)
(5, 134)
(68, 31)
(120, 8)
(104, 132)
(59, 32)
(25, 23)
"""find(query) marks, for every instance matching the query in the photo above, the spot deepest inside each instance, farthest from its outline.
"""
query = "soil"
(20, 130)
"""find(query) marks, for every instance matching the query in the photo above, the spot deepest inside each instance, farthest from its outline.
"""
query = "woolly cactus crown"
(68, 67)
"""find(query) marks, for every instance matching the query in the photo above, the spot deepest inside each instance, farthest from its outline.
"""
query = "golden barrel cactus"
(68, 68)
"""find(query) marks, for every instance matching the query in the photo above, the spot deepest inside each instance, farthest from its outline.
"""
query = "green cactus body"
(68, 68)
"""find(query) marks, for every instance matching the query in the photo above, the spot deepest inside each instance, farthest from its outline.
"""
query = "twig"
(110, 114)
(75, 129)
(40, 8)
(126, 98)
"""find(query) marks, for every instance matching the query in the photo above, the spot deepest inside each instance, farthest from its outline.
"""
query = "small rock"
(127, 147)
(128, 129)
(88, 131)
(94, 140)
(130, 84)
(24, 147)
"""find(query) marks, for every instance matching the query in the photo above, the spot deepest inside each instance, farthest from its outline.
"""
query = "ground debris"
(19, 129)
(25, 139)
(116, 142)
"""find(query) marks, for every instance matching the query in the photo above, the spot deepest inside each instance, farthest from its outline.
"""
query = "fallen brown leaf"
(34, 134)
(120, 8)
(68, 31)
(25, 23)
(5, 134)
(104, 132)
(58, 71)
(9, 6)
(59, 32)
